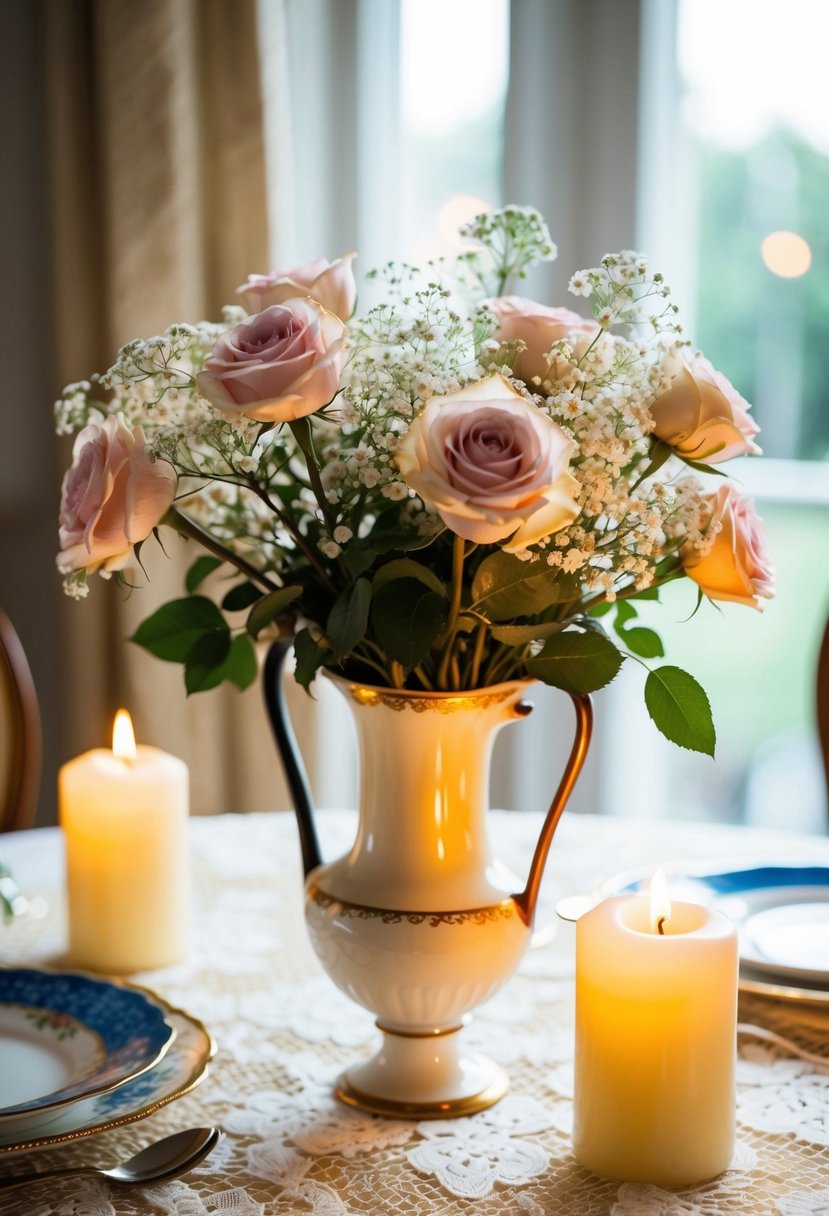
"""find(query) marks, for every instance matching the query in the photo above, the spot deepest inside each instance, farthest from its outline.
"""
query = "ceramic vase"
(419, 922)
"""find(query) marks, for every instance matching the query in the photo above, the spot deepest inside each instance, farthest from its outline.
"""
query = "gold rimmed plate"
(66, 1036)
(183, 1067)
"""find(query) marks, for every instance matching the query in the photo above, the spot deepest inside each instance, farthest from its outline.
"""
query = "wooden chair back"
(20, 735)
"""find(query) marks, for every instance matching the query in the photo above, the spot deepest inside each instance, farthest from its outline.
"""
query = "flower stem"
(187, 527)
(477, 654)
(457, 590)
(301, 431)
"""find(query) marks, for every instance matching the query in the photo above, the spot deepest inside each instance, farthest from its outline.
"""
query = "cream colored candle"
(124, 817)
(656, 1017)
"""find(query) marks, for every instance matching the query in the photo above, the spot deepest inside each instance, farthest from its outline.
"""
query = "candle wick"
(659, 925)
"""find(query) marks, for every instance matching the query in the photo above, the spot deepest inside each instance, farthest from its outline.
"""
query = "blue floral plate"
(65, 1037)
(182, 1068)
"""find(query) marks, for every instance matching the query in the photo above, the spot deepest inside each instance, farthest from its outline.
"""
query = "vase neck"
(425, 792)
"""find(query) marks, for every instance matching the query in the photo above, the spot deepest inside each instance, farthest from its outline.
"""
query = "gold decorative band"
(451, 1108)
(397, 916)
(421, 702)
(419, 1034)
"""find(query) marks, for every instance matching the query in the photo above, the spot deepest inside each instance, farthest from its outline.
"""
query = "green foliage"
(194, 632)
(269, 607)
(176, 627)
(239, 667)
(680, 709)
(199, 571)
(641, 641)
(348, 619)
(408, 618)
(309, 658)
(505, 587)
(408, 569)
(576, 662)
(521, 635)
(241, 596)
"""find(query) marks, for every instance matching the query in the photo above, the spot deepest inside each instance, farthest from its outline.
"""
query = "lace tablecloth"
(284, 1032)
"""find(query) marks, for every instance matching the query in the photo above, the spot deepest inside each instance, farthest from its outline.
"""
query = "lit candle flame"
(123, 737)
(660, 902)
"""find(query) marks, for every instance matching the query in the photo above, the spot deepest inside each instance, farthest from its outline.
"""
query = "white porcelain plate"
(64, 1037)
(182, 1068)
(782, 917)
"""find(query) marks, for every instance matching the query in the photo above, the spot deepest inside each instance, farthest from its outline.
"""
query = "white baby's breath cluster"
(240, 479)
(441, 494)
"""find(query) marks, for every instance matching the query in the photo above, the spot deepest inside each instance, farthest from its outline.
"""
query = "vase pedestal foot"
(423, 1076)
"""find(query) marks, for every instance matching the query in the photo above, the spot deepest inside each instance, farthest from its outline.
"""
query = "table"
(284, 1031)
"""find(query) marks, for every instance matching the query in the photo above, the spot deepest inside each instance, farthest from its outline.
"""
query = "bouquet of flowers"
(457, 488)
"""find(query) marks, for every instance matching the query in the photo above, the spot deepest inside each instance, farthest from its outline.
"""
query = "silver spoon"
(167, 1158)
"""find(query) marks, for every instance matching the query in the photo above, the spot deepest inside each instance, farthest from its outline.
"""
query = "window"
(454, 71)
(694, 129)
(750, 232)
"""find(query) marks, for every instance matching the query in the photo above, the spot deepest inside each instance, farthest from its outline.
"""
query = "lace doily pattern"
(284, 1032)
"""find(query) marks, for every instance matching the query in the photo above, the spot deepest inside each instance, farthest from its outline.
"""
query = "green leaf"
(269, 607)
(348, 619)
(204, 662)
(660, 452)
(404, 567)
(199, 571)
(519, 635)
(172, 631)
(700, 467)
(505, 588)
(309, 658)
(408, 618)
(241, 596)
(239, 667)
(357, 558)
(644, 642)
(576, 662)
(600, 609)
(679, 707)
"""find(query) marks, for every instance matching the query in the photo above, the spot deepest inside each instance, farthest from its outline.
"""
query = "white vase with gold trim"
(419, 922)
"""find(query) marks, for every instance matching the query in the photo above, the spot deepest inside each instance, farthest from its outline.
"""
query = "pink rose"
(702, 416)
(493, 464)
(280, 365)
(738, 566)
(112, 496)
(539, 327)
(331, 284)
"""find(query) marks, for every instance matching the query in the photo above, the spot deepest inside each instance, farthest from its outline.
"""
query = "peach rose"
(280, 365)
(702, 416)
(113, 496)
(331, 284)
(492, 463)
(539, 327)
(738, 566)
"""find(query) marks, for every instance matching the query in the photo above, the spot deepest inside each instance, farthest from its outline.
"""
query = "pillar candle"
(656, 1015)
(124, 817)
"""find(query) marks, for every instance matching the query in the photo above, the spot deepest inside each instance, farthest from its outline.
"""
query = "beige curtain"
(159, 204)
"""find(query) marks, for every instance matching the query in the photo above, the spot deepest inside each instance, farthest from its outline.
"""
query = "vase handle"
(526, 901)
(289, 754)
